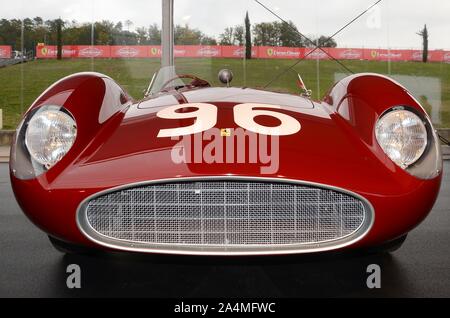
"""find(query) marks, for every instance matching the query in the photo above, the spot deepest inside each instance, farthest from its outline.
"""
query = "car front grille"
(226, 215)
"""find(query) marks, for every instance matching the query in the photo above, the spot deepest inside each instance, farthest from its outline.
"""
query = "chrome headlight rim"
(428, 129)
(39, 166)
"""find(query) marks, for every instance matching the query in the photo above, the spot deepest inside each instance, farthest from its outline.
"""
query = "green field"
(21, 84)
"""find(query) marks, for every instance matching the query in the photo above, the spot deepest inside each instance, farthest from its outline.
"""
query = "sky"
(393, 23)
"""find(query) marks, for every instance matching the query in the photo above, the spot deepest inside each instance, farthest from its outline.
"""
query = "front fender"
(358, 101)
(91, 98)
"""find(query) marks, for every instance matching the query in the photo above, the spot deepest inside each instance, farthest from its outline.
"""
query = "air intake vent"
(226, 216)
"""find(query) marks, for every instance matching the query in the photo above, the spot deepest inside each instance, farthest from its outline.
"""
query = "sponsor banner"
(208, 51)
(317, 54)
(97, 51)
(387, 55)
(128, 52)
(198, 51)
(446, 56)
(204, 51)
(268, 52)
(346, 54)
(50, 52)
(433, 56)
(5, 52)
(74, 51)
(237, 52)
(155, 51)
(42, 51)
(418, 55)
(439, 56)
(190, 51)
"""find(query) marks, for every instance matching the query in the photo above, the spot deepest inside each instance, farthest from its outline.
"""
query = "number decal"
(205, 119)
(245, 114)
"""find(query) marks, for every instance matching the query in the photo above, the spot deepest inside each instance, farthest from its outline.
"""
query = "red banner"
(446, 57)
(237, 52)
(155, 51)
(74, 51)
(5, 52)
(387, 55)
(268, 52)
(198, 51)
(346, 54)
(97, 51)
(50, 52)
(317, 54)
(130, 51)
(214, 51)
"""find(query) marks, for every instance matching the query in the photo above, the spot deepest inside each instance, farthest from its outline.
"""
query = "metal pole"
(22, 48)
(92, 35)
(167, 37)
(92, 43)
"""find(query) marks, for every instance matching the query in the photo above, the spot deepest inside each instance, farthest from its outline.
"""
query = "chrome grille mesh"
(226, 214)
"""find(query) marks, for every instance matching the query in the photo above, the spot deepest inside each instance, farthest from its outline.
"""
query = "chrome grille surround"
(225, 216)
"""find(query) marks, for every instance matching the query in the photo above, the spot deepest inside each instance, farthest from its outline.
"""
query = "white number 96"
(205, 117)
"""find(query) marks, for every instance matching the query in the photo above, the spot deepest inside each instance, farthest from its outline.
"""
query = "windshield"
(299, 48)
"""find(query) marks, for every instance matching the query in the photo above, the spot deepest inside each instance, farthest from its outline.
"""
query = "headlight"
(50, 135)
(402, 135)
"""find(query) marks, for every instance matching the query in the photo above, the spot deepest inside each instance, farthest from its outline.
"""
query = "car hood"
(326, 150)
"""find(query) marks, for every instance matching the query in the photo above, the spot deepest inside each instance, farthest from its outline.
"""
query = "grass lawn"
(22, 84)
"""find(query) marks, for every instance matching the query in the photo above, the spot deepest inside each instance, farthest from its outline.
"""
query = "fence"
(262, 52)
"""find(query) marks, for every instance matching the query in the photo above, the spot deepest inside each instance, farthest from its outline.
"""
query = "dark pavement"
(30, 267)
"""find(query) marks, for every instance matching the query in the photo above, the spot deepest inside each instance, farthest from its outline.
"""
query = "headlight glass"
(402, 135)
(50, 135)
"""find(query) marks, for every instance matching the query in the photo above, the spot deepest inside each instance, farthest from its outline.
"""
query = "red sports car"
(202, 170)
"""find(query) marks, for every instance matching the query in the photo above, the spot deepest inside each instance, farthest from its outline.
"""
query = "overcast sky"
(393, 23)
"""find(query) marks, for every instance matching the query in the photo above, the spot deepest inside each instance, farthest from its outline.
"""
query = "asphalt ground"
(30, 267)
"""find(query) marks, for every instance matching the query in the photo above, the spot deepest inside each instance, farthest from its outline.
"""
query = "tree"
(142, 35)
(227, 37)
(238, 35)
(106, 32)
(128, 23)
(232, 36)
(59, 25)
(185, 35)
(322, 41)
(103, 33)
(40, 31)
(77, 34)
(277, 34)
(424, 34)
(290, 36)
(248, 38)
(154, 34)
(207, 40)
(325, 41)
(118, 27)
(267, 34)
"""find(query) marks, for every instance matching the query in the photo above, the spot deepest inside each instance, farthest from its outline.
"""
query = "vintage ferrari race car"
(195, 169)
(202, 170)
